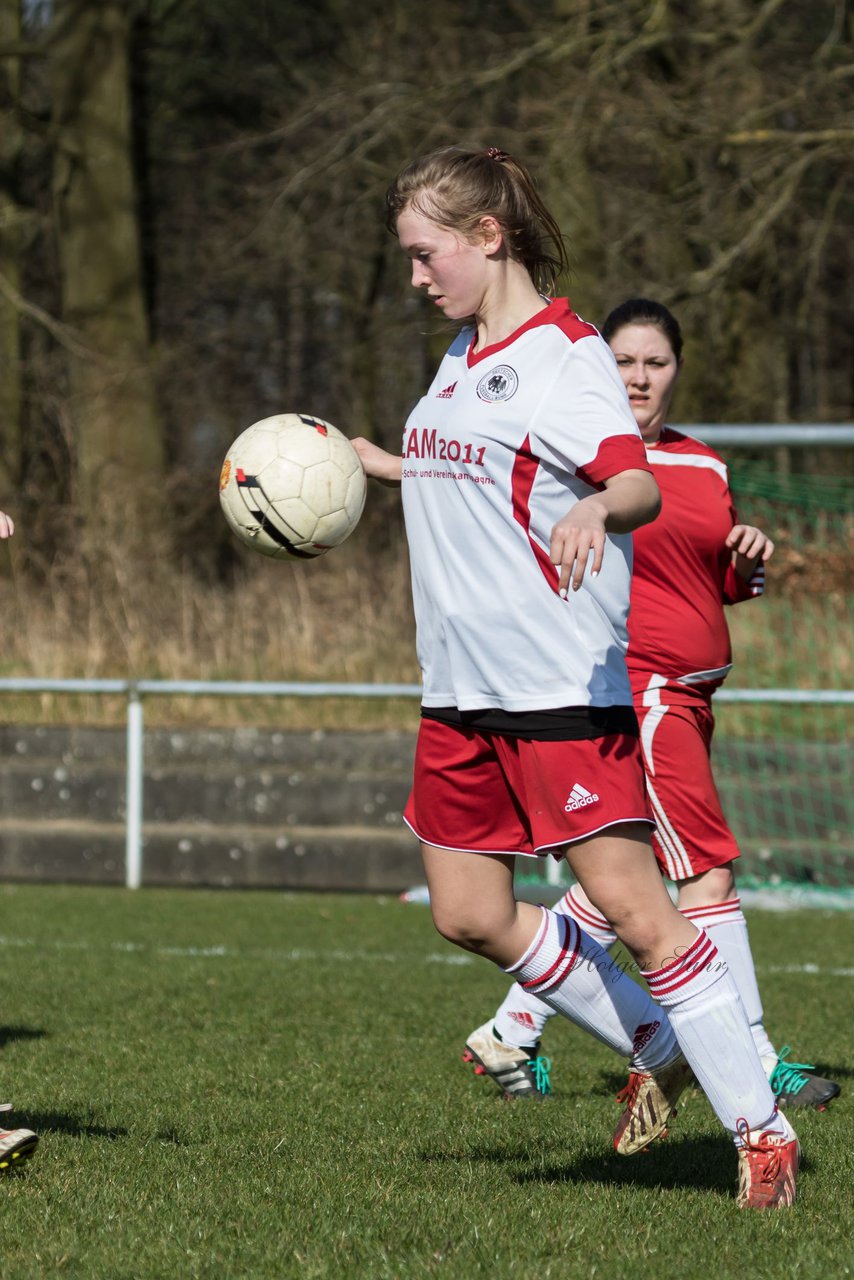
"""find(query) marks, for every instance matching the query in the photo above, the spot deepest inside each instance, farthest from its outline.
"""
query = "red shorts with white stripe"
(691, 834)
(487, 793)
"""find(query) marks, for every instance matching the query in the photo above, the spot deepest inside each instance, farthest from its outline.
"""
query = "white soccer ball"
(292, 486)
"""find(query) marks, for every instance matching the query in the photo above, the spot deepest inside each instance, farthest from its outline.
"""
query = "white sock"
(575, 903)
(711, 1026)
(727, 927)
(571, 972)
(521, 1017)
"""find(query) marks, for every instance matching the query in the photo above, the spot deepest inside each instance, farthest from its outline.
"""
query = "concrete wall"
(246, 807)
(255, 808)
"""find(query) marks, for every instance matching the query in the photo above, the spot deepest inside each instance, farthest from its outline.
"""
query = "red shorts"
(485, 793)
(691, 834)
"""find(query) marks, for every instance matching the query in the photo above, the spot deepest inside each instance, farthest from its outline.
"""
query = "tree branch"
(62, 333)
(699, 281)
(807, 137)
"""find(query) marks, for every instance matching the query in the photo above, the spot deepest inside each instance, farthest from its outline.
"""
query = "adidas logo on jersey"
(447, 393)
(579, 797)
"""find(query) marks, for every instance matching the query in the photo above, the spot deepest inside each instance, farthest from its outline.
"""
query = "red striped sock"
(576, 904)
(570, 971)
(711, 1025)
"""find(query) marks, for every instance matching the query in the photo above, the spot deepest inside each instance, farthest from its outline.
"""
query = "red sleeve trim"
(736, 589)
(616, 454)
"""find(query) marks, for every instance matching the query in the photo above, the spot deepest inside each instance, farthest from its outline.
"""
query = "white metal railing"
(768, 435)
(135, 690)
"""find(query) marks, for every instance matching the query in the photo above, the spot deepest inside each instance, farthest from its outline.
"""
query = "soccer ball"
(292, 486)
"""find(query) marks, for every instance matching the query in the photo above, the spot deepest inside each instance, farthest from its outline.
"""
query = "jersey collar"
(556, 311)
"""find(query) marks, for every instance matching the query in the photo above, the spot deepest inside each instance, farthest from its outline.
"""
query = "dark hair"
(644, 311)
(456, 187)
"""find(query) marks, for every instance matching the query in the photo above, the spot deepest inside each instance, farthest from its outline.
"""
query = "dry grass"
(345, 618)
(798, 640)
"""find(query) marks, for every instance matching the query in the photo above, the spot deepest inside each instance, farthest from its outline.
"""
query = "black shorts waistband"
(557, 724)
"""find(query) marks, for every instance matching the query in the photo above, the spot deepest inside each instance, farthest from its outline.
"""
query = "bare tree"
(10, 251)
(696, 150)
(113, 404)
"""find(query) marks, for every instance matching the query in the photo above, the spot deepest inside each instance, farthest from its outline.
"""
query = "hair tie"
(495, 153)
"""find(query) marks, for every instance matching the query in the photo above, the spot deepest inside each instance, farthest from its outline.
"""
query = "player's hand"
(377, 462)
(580, 533)
(753, 544)
(7, 525)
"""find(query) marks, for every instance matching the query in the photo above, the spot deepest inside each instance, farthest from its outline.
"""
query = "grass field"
(269, 1085)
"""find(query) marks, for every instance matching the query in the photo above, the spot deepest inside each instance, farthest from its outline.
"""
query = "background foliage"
(191, 237)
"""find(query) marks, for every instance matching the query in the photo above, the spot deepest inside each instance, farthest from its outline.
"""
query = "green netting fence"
(785, 770)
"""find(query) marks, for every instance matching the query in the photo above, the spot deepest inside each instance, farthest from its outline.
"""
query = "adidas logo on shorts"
(579, 797)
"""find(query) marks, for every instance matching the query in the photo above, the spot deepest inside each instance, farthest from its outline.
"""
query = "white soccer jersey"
(503, 444)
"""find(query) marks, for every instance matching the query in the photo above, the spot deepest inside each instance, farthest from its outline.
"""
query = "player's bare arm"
(378, 463)
(7, 525)
(750, 547)
(629, 499)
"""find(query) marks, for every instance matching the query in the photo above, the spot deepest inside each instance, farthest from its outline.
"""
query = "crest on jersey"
(499, 384)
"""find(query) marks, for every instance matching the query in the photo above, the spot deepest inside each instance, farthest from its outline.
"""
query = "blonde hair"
(456, 187)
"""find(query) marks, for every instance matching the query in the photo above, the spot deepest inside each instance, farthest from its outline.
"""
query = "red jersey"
(683, 574)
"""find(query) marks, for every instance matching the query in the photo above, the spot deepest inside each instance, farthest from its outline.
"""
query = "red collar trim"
(554, 313)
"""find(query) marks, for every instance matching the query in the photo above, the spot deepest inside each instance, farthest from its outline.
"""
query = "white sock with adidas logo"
(521, 1017)
(568, 970)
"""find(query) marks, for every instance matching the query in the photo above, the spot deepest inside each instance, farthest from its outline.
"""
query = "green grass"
(268, 1085)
